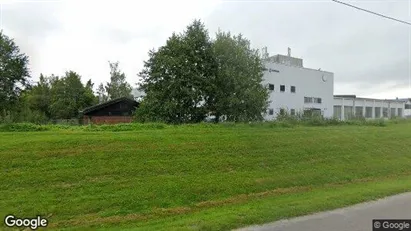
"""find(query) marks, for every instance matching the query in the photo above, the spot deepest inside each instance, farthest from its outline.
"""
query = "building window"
(385, 112)
(337, 112)
(271, 87)
(282, 111)
(392, 114)
(359, 112)
(377, 111)
(400, 112)
(292, 112)
(368, 112)
(270, 111)
(317, 100)
(292, 89)
(348, 112)
(282, 88)
(308, 99)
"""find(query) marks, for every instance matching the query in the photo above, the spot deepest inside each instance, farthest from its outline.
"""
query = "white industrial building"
(297, 89)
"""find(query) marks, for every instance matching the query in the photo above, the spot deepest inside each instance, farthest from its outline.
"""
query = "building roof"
(108, 103)
(346, 96)
(363, 98)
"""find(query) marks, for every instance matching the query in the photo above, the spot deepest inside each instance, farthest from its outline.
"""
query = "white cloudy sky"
(369, 55)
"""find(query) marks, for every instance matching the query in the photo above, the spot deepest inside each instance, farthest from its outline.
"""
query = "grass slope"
(198, 177)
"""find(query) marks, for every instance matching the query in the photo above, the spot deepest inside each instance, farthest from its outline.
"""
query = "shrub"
(124, 127)
(22, 127)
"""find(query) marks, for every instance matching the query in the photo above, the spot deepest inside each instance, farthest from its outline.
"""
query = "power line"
(371, 12)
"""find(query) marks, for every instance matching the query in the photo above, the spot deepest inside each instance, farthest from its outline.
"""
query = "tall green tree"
(69, 96)
(237, 93)
(101, 93)
(38, 97)
(176, 78)
(191, 76)
(89, 97)
(14, 73)
(118, 86)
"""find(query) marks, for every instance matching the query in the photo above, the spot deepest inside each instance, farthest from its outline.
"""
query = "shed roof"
(108, 103)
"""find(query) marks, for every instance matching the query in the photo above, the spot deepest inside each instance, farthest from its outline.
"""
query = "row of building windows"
(312, 100)
(271, 87)
(367, 112)
(282, 111)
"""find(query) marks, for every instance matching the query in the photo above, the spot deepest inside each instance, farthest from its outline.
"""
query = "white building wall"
(308, 83)
(378, 105)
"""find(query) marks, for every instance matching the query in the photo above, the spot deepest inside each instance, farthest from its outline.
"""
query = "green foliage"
(312, 119)
(192, 76)
(102, 94)
(22, 127)
(69, 95)
(118, 86)
(22, 112)
(38, 97)
(177, 77)
(285, 122)
(14, 73)
(237, 92)
(52, 98)
(123, 127)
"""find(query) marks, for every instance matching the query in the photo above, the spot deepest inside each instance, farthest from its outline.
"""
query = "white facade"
(407, 110)
(295, 88)
(347, 107)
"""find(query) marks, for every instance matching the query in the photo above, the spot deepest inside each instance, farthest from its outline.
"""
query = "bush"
(22, 127)
(285, 121)
(124, 127)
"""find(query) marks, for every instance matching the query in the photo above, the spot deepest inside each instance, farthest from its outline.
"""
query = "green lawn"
(198, 178)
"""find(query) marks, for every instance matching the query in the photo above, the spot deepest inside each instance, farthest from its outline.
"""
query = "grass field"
(198, 177)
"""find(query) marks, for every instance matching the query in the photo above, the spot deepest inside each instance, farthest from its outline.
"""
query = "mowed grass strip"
(198, 178)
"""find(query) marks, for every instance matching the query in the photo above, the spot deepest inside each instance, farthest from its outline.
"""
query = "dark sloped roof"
(346, 96)
(108, 103)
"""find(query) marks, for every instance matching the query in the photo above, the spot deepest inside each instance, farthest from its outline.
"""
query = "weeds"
(283, 121)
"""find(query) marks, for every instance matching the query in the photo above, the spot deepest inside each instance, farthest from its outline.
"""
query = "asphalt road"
(355, 218)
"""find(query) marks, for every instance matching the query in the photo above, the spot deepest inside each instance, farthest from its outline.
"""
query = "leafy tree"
(238, 93)
(176, 78)
(14, 73)
(38, 97)
(101, 93)
(23, 111)
(118, 86)
(89, 97)
(191, 76)
(68, 96)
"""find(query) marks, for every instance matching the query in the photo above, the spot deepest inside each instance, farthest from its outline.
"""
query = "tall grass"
(197, 176)
(282, 121)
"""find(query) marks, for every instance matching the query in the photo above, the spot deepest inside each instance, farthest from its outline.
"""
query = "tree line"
(189, 78)
(52, 97)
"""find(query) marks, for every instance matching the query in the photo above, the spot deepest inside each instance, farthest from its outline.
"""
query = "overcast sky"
(369, 55)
